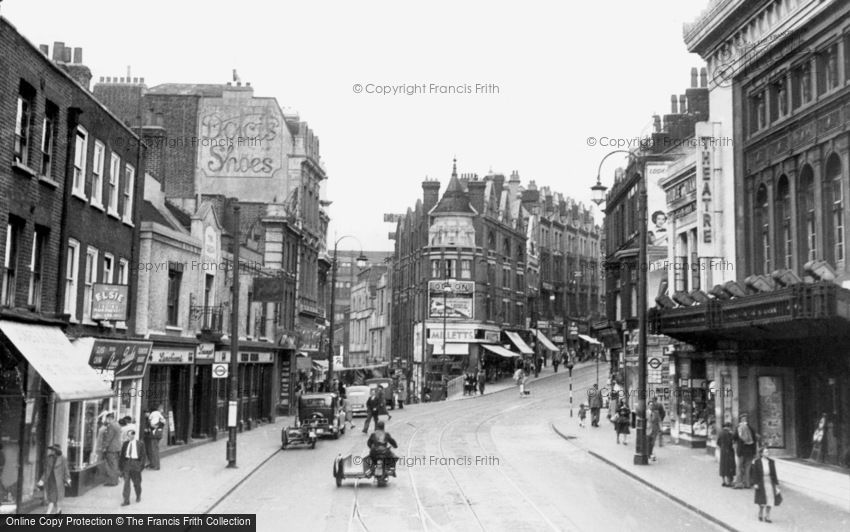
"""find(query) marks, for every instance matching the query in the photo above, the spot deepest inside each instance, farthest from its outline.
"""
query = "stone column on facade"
(817, 176)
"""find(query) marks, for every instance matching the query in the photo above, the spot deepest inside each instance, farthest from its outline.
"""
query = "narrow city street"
(526, 478)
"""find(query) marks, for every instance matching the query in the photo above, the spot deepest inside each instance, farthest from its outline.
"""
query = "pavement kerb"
(240, 481)
(513, 386)
(650, 485)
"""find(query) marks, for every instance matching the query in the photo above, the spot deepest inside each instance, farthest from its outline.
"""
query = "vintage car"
(389, 389)
(319, 414)
(356, 396)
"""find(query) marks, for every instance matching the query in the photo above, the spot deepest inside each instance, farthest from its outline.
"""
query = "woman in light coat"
(56, 476)
(766, 484)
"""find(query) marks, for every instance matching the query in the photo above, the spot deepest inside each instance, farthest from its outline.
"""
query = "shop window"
(14, 231)
(82, 432)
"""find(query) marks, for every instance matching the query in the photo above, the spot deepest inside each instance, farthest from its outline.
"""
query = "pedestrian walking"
(595, 405)
(622, 421)
(55, 479)
(654, 429)
(112, 449)
(519, 377)
(102, 468)
(726, 446)
(156, 422)
(373, 410)
(767, 493)
(556, 361)
(582, 414)
(382, 402)
(746, 443)
(132, 463)
(482, 380)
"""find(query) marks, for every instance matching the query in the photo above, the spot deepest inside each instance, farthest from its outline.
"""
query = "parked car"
(387, 385)
(356, 397)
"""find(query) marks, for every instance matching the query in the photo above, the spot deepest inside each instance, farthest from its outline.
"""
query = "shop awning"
(519, 343)
(501, 351)
(55, 359)
(588, 339)
(451, 349)
(545, 341)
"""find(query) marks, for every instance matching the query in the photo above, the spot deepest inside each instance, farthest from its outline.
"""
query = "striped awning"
(519, 343)
(501, 351)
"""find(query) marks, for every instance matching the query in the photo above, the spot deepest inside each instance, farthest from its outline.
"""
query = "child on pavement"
(582, 414)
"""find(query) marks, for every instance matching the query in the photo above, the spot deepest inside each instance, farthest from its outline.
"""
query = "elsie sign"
(109, 302)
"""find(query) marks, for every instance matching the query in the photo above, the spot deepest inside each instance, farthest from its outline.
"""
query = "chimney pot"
(142, 81)
(247, 83)
(683, 106)
(122, 80)
(67, 55)
(58, 50)
(135, 80)
(78, 56)
(703, 78)
(694, 78)
(44, 49)
(674, 102)
(101, 79)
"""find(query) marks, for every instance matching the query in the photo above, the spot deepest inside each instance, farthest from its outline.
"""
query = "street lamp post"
(361, 262)
(599, 191)
(232, 407)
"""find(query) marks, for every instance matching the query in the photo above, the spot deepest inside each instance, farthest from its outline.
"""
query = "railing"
(455, 387)
(206, 318)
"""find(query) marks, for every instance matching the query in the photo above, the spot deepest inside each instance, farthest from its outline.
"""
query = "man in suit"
(132, 461)
(112, 440)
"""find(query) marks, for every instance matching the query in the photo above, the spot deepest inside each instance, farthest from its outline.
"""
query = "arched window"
(506, 249)
(761, 227)
(833, 208)
(491, 242)
(807, 235)
(782, 222)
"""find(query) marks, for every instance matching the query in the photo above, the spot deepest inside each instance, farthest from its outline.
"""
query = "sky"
(532, 81)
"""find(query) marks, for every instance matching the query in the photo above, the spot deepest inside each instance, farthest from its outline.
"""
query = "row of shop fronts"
(56, 390)
(453, 349)
(780, 356)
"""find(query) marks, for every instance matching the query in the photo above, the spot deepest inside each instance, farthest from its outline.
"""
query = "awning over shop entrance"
(451, 349)
(519, 343)
(543, 340)
(501, 351)
(588, 339)
(55, 359)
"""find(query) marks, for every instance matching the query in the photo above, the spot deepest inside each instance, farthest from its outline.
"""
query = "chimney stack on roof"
(694, 78)
(683, 104)
(674, 102)
(703, 78)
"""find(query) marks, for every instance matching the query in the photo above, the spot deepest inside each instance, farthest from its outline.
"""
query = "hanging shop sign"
(127, 360)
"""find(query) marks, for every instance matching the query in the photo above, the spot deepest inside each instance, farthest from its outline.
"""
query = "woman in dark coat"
(766, 483)
(725, 443)
(56, 476)
(623, 421)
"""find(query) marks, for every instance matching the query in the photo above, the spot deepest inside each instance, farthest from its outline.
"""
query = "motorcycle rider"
(379, 443)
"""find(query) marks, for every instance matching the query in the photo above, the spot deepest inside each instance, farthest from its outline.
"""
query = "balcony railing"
(207, 318)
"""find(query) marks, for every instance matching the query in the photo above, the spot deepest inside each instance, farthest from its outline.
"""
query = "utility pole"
(232, 407)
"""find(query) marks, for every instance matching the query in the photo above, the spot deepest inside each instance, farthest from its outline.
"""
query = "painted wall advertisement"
(451, 299)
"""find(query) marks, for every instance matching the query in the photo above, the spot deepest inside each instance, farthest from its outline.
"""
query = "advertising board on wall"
(451, 299)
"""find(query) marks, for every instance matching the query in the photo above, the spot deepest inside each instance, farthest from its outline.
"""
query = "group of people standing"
(474, 381)
(744, 464)
(121, 454)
